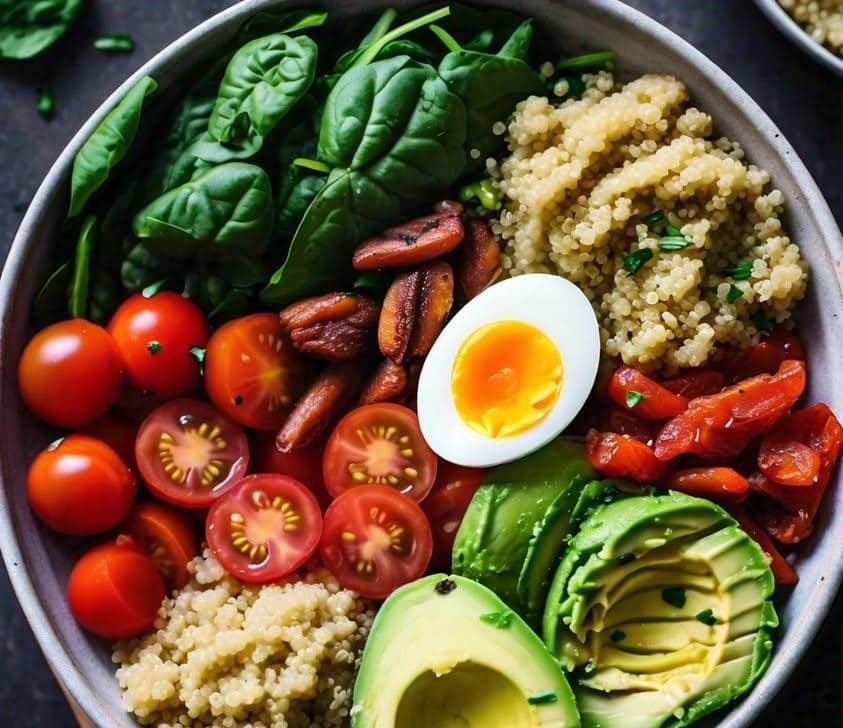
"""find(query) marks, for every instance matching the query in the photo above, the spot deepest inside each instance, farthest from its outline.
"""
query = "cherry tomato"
(786, 461)
(167, 537)
(69, 373)
(154, 338)
(765, 357)
(379, 444)
(189, 454)
(622, 422)
(375, 539)
(304, 464)
(635, 392)
(115, 591)
(716, 482)
(118, 434)
(783, 572)
(446, 505)
(723, 424)
(80, 486)
(620, 456)
(264, 528)
(252, 373)
(695, 382)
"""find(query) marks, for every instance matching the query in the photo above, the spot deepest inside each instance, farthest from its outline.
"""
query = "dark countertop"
(804, 99)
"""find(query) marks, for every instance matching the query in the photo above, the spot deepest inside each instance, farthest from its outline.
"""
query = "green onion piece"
(45, 105)
(154, 347)
(706, 616)
(618, 636)
(198, 353)
(673, 231)
(312, 164)
(603, 60)
(741, 271)
(734, 293)
(654, 218)
(674, 595)
(501, 620)
(673, 242)
(762, 321)
(548, 696)
(633, 261)
(372, 51)
(633, 398)
(115, 43)
(153, 288)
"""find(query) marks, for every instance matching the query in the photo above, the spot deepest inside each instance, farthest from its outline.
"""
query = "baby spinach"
(28, 27)
(104, 296)
(107, 145)
(77, 294)
(293, 202)
(286, 21)
(142, 268)
(51, 302)
(225, 209)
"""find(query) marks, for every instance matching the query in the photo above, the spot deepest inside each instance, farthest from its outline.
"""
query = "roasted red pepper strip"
(620, 456)
(783, 572)
(718, 483)
(766, 356)
(634, 391)
(695, 382)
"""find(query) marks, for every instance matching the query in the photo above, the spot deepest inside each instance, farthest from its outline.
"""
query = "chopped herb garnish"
(734, 293)
(153, 288)
(548, 696)
(762, 321)
(740, 271)
(654, 218)
(603, 60)
(45, 104)
(706, 616)
(673, 231)
(501, 620)
(618, 635)
(633, 261)
(154, 347)
(633, 398)
(198, 353)
(115, 43)
(446, 586)
(673, 242)
(674, 595)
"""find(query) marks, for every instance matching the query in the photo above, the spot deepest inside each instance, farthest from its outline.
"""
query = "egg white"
(558, 309)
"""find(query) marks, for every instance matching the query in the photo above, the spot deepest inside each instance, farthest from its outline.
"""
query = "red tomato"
(118, 434)
(252, 373)
(189, 454)
(115, 591)
(379, 444)
(783, 572)
(786, 461)
(765, 357)
(304, 464)
(80, 486)
(634, 391)
(375, 539)
(620, 456)
(69, 373)
(264, 528)
(622, 422)
(715, 482)
(695, 382)
(154, 337)
(167, 537)
(446, 505)
(723, 424)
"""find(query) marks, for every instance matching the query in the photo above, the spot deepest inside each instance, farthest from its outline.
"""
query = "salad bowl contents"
(408, 373)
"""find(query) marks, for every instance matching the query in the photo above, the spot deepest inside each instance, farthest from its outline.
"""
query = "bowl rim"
(787, 24)
(74, 681)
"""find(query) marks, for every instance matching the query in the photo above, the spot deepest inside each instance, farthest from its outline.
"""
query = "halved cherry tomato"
(188, 453)
(118, 434)
(693, 383)
(375, 539)
(766, 356)
(622, 422)
(264, 528)
(167, 537)
(115, 591)
(69, 373)
(252, 373)
(634, 391)
(621, 456)
(786, 461)
(80, 486)
(717, 482)
(723, 424)
(446, 505)
(154, 338)
(382, 444)
(304, 464)
(783, 572)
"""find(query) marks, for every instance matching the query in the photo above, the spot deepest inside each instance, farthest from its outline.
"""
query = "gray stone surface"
(804, 99)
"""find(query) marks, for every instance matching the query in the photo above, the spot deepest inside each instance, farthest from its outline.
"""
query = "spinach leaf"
(142, 268)
(225, 209)
(518, 44)
(105, 296)
(273, 21)
(28, 27)
(51, 302)
(77, 294)
(107, 145)
(242, 271)
(297, 193)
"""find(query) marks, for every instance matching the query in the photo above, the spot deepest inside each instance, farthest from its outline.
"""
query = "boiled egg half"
(510, 371)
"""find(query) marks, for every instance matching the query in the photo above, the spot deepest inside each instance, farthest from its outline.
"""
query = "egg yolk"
(507, 376)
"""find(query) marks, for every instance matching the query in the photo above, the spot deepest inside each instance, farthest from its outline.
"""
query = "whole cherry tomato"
(621, 456)
(69, 373)
(719, 483)
(634, 391)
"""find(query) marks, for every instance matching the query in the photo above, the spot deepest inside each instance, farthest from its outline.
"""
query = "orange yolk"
(506, 378)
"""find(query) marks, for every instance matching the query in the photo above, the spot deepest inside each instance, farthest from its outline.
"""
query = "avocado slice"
(513, 532)
(662, 610)
(444, 651)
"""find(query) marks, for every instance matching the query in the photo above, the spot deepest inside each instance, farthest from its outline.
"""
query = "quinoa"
(578, 181)
(229, 655)
(821, 19)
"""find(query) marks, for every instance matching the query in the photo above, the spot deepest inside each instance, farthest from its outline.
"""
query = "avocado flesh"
(431, 662)
(664, 666)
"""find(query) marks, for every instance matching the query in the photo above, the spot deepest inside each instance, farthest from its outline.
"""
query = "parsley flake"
(547, 696)
(115, 43)
(633, 398)
(633, 261)
(734, 293)
(654, 218)
(706, 616)
(618, 635)
(154, 347)
(740, 271)
(674, 596)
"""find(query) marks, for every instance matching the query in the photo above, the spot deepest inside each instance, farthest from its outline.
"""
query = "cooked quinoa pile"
(579, 180)
(822, 19)
(229, 655)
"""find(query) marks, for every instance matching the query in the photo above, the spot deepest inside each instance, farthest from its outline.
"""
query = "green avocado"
(514, 529)
(444, 652)
(661, 609)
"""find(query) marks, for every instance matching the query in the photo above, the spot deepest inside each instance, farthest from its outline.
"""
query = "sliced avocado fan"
(445, 652)
(661, 609)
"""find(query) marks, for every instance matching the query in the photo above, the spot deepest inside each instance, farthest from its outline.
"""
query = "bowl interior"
(39, 562)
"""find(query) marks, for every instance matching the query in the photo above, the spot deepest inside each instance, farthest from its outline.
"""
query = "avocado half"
(661, 608)
(444, 651)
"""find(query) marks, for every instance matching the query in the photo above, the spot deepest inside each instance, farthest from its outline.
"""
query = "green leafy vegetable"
(312, 164)
(633, 398)
(45, 104)
(28, 27)
(77, 295)
(674, 596)
(285, 21)
(672, 231)
(115, 43)
(740, 271)
(734, 293)
(51, 302)
(107, 145)
(601, 60)
(142, 268)
(484, 192)
(518, 44)
(633, 261)
(548, 696)
(654, 218)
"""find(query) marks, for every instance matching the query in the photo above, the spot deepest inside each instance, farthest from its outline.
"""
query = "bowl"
(798, 35)
(38, 561)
